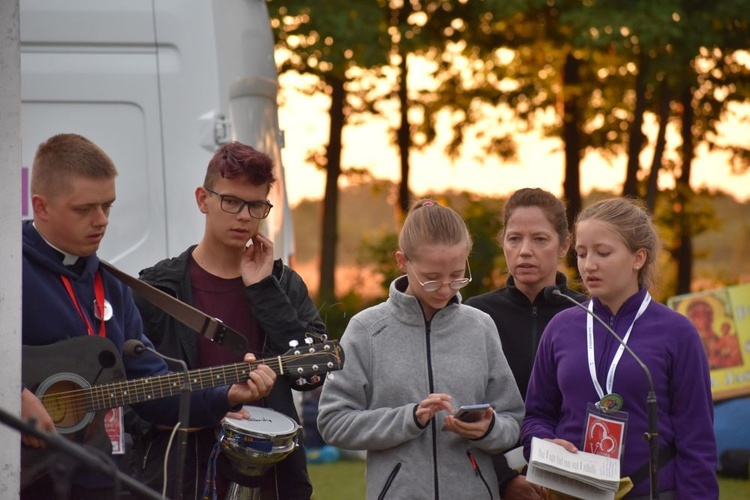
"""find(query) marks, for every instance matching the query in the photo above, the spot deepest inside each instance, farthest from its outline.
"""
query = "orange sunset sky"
(540, 161)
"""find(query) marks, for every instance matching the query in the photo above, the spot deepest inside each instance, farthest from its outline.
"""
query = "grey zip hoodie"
(394, 359)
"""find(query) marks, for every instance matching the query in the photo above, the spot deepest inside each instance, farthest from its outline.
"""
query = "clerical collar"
(68, 258)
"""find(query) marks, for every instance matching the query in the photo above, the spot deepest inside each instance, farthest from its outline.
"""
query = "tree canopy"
(591, 73)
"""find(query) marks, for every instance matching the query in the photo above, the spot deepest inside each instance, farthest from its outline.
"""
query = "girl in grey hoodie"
(415, 359)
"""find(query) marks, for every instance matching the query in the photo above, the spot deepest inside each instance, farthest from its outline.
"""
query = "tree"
(418, 29)
(712, 78)
(684, 58)
(400, 14)
(522, 54)
(599, 66)
(603, 65)
(331, 40)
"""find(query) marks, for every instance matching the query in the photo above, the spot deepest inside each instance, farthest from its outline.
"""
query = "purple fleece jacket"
(669, 345)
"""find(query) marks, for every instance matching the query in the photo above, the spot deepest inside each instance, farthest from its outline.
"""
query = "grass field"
(345, 480)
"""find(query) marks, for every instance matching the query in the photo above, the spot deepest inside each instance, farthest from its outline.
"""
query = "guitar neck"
(106, 396)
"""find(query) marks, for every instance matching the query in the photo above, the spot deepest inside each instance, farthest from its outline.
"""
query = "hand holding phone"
(471, 413)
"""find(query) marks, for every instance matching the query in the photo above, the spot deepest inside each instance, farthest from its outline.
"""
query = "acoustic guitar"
(78, 378)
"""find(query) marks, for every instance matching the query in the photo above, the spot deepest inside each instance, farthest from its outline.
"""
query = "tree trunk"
(571, 135)
(400, 19)
(636, 140)
(404, 137)
(684, 196)
(329, 239)
(652, 187)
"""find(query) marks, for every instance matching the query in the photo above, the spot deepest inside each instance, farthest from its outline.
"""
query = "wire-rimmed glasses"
(434, 286)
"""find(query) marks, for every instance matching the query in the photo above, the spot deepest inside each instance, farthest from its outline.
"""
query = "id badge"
(114, 427)
(604, 433)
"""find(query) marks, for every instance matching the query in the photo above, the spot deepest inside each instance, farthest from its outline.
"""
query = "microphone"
(553, 293)
(134, 348)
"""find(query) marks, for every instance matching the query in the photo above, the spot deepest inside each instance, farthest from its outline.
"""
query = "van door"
(89, 67)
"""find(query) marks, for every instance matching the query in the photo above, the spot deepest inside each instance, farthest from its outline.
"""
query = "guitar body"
(46, 371)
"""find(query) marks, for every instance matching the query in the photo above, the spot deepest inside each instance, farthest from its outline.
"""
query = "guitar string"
(136, 389)
(200, 376)
(113, 395)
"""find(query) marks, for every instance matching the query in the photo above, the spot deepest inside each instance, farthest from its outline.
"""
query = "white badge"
(107, 311)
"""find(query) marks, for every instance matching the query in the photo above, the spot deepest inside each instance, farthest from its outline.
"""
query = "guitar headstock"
(313, 359)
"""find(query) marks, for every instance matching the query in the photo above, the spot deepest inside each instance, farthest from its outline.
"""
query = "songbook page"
(581, 474)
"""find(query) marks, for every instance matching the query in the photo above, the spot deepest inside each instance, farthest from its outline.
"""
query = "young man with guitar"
(68, 298)
(231, 274)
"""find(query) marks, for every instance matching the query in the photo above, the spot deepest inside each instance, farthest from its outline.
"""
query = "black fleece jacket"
(520, 323)
(283, 307)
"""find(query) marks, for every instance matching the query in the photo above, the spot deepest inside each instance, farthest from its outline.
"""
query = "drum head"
(263, 422)
(254, 445)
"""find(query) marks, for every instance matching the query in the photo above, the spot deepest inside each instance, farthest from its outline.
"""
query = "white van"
(158, 84)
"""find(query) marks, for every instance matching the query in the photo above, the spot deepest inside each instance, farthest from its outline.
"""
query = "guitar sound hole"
(107, 359)
(65, 403)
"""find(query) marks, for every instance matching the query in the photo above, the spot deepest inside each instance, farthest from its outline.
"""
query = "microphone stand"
(94, 461)
(652, 436)
(136, 347)
(184, 416)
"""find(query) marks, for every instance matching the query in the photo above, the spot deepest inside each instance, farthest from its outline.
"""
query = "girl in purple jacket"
(587, 394)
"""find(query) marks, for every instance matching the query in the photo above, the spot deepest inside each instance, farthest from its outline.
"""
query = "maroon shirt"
(224, 299)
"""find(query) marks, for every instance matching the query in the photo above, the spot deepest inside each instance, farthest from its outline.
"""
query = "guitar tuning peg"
(293, 343)
(315, 379)
(309, 341)
(300, 381)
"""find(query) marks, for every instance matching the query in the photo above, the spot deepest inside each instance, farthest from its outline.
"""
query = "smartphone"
(471, 413)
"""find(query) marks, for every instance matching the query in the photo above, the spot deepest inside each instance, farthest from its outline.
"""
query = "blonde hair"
(64, 156)
(431, 224)
(632, 221)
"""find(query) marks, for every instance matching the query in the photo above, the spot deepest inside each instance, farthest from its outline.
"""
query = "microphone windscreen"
(552, 293)
(133, 348)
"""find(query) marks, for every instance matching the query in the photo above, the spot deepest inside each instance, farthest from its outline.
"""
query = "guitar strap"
(203, 324)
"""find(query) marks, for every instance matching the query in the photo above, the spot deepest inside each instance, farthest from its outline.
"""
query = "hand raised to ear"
(257, 260)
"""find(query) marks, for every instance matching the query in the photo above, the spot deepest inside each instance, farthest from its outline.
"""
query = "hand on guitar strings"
(257, 386)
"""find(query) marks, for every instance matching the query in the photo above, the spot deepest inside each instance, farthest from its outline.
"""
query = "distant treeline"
(368, 215)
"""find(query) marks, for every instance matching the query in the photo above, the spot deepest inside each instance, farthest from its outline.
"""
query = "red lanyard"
(98, 303)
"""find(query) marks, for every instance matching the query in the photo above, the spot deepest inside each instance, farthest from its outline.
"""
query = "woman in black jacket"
(534, 238)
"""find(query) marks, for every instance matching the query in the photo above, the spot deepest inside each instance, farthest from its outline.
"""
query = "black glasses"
(434, 286)
(233, 205)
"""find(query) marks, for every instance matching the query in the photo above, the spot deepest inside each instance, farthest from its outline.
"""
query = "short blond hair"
(64, 156)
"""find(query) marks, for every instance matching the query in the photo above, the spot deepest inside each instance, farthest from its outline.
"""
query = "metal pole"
(10, 243)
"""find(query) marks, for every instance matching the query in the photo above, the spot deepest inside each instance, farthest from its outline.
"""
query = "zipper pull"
(473, 463)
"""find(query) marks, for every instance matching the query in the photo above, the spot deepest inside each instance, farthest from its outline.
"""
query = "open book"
(579, 474)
